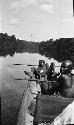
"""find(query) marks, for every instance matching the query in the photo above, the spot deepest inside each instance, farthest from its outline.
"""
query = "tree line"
(9, 45)
(60, 49)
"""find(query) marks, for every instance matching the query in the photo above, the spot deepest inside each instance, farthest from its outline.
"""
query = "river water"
(9, 71)
(11, 89)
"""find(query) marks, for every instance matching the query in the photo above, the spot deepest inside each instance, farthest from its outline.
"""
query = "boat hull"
(26, 113)
(40, 109)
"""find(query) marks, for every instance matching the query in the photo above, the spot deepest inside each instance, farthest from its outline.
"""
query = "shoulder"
(64, 78)
(61, 78)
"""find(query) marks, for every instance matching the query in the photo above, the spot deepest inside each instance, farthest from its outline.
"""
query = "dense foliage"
(60, 49)
(7, 44)
(25, 46)
(10, 45)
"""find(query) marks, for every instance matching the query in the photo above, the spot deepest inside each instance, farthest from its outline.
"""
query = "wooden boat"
(26, 113)
(39, 109)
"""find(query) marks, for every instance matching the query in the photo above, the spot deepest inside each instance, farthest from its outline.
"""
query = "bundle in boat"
(66, 117)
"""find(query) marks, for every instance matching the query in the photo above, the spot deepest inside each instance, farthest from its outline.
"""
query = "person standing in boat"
(40, 73)
(65, 82)
(41, 70)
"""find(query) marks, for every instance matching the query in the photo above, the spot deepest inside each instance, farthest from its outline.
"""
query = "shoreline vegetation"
(59, 49)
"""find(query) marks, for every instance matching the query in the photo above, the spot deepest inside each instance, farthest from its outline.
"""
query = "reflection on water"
(12, 90)
(8, 71)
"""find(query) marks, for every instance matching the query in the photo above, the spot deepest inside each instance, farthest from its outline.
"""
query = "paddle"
(29, 64)
(24, 64)
(37, 80)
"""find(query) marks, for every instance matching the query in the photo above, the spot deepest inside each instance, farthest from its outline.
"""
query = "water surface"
(12, 90)
(9, 71)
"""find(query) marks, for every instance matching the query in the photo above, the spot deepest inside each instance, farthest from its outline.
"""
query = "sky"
(37, 20)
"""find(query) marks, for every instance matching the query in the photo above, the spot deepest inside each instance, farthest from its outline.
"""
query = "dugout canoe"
(26, 113)
(39, 109)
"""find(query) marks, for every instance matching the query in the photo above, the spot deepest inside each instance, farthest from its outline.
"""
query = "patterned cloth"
(66, 117)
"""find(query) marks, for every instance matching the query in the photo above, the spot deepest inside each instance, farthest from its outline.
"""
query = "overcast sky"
(37, 20)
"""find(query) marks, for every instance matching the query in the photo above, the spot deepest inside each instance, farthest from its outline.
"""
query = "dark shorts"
(44, 88)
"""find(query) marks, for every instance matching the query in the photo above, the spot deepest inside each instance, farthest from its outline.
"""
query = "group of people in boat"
(61, 83)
